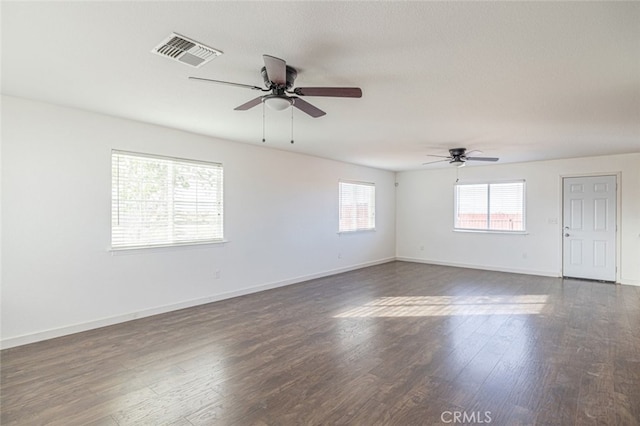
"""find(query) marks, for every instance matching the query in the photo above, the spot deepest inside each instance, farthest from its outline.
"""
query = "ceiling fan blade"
(250, 104)
(276, 69)
(482, 158)
(440, 156)
(336, 92)
(437, 161)
(305, 106)
(228, 83)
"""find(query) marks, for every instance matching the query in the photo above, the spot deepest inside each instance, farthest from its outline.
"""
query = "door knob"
(566, 235)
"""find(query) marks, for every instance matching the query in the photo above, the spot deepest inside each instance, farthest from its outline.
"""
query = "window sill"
(488, 231)
(163, 247)
(357, 231)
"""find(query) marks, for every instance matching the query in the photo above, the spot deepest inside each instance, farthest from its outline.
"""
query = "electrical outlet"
(421, 248)
(339, 255)
(216, 275)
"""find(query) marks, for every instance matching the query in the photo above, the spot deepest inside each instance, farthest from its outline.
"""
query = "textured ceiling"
(520, 81)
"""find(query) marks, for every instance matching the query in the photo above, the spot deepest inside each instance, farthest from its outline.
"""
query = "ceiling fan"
(278, 80)
(460, 156)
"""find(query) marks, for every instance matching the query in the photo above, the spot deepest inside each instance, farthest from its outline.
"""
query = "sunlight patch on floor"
(419, 306)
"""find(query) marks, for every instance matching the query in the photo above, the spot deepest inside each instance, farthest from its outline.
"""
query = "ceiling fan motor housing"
(291, 77)
(458, 156)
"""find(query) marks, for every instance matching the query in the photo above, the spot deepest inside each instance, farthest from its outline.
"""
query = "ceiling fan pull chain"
(291, 125)
(263, 121)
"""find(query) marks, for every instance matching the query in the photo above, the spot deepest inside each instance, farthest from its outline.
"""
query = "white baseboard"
(501, 269)
(104, 322)
(483, 267)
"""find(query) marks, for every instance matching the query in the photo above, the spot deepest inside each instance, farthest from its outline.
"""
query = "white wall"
(58, 277)
(281, 221)
(424, 217)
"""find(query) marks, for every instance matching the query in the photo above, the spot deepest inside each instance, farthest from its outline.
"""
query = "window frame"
(488, 212)
(361, 183)
(175, 243)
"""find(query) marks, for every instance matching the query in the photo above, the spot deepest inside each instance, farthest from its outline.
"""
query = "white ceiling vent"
(185, 50)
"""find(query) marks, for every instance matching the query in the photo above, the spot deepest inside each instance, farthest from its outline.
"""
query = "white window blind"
(158, 201)
(357, 206)
(490, 206)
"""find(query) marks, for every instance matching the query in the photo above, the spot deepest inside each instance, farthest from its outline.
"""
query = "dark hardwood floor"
(397, 344)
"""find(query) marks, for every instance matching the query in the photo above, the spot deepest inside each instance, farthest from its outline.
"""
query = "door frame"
(560, 229)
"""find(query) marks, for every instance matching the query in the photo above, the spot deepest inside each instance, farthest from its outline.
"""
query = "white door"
(589, 228)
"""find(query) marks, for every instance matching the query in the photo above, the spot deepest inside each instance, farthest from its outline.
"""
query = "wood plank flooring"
(394, 344)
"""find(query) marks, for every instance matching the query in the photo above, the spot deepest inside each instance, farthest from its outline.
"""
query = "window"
(159, 201)
(490, 206)
(357, 206)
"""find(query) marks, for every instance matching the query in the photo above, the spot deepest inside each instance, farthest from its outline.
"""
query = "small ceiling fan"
(459, 157)
(278, 80)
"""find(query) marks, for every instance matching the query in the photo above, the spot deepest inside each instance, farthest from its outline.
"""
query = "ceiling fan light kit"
(277, 103)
